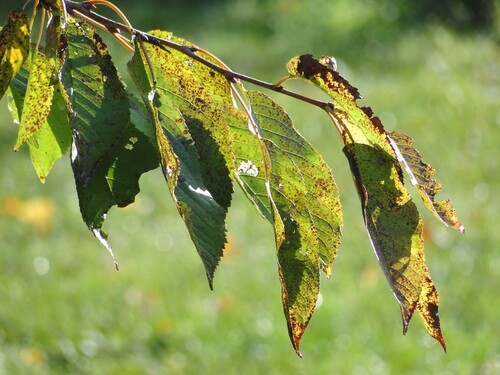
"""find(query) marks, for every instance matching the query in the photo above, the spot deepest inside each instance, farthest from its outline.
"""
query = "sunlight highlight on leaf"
(391, 217)
(184, 160)
(306, 211)
(14, 48)
(38, 98)
(421, 175)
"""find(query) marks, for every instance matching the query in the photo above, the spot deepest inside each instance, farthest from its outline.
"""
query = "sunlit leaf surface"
(421, 176)
(195, 166)
(306, 208)
(391, 217)
(14, 48)
(193, 117)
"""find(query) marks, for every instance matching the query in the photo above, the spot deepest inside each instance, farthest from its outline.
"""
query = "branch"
(84, 10)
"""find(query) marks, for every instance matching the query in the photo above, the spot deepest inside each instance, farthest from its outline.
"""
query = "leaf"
(391, 217)
(394, 227)
(38, 99)
(306, 212)
(195, 89)
(54, 138)
(251, 169)
(179, 106)
(14, 48)
(421, 177)
(322, 196)
(296, 242)
(109, 154)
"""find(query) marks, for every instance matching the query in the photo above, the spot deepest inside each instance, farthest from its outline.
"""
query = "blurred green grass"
(65, 310)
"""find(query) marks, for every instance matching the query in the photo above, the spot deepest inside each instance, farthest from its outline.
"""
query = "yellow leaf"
(14, 48)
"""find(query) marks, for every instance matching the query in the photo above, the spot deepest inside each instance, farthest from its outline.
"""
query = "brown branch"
(77, 9)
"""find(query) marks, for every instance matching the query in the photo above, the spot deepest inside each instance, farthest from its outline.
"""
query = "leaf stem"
(85, 10)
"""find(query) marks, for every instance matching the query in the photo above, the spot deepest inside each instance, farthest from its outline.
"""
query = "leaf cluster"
(208, 133)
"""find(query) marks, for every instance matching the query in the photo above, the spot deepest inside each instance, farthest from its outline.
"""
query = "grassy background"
(65, 310)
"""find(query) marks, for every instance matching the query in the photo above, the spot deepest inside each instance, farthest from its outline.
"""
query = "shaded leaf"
(109, 154)
(175, 115)
(391, 217)
(14, 48)
(421, 177)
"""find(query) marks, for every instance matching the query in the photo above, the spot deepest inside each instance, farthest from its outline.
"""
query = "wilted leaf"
(14, 48)
(391, 217)
(109, 154)
(421, 177)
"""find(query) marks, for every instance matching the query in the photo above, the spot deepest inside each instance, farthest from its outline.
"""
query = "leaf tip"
(441, 341)
(210, 280)
(102, 237)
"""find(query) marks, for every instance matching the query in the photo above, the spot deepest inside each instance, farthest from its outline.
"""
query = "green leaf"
(14, 48)
(306, 211)
(391, 217)
(187, 161)
(251, 169)
(196, 90)
(421, 177)
(109, 154)
(296, 242)
(323, 203)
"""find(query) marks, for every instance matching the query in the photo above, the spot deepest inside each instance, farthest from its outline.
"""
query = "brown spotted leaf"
(322, 197)
(54, 138)
(421, 177)
(38, 98)
(305, 207)
(14, 48)
(391, 217)
(193, 139)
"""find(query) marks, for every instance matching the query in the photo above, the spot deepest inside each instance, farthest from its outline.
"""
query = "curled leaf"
(391, 217)
(421, 177)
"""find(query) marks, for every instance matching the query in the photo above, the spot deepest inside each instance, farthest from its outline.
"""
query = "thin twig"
(83, 9)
